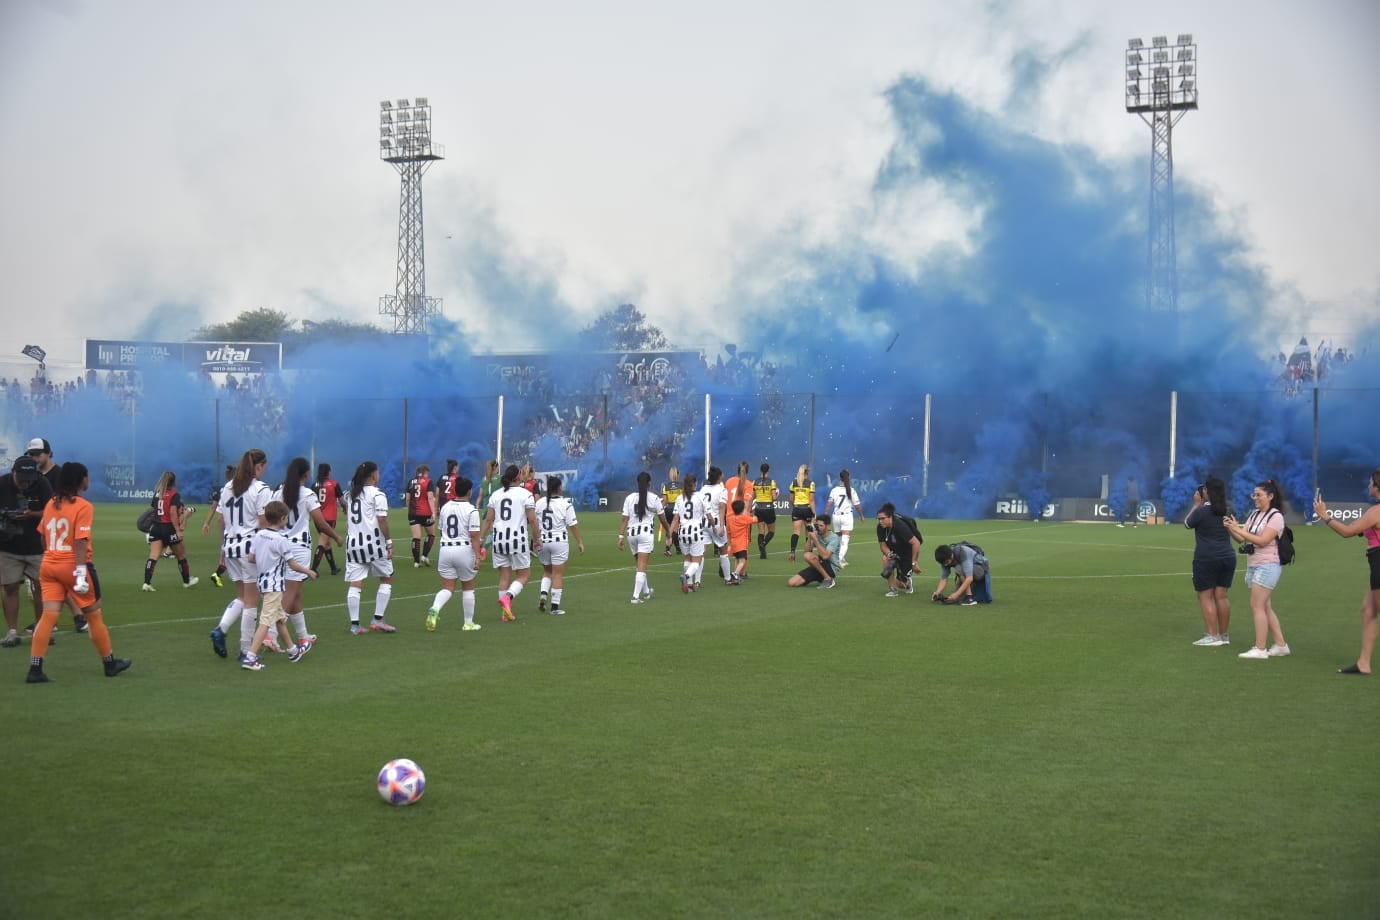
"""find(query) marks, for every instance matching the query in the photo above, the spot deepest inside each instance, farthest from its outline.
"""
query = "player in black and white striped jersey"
(641, 510)
(556, 515)
(716, 500)
(368, 547)
(512, 519)
(304, 508)
(688, 527)
(241, 507)
(843, 505)
(461, 552)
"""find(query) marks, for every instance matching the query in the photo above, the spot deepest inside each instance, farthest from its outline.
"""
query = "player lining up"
(556, 515)
(511, 517)
(461, 552)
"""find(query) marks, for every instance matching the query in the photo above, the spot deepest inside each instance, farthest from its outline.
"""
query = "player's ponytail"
(292, 482)
(361, 477)
(244, 473)
(644, 482)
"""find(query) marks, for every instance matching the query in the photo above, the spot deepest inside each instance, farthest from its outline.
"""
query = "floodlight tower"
(405, 141)
(1160, 87)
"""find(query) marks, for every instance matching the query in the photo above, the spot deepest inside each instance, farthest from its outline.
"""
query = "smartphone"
(1317, 495)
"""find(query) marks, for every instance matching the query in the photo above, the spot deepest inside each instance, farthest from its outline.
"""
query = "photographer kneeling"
(823, 544)
(971, 568)
(900, 541)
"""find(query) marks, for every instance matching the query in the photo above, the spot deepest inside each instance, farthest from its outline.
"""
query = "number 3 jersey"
(239, 515)
(364, 541)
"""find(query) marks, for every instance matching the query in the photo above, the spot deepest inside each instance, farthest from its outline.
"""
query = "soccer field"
(755, 751)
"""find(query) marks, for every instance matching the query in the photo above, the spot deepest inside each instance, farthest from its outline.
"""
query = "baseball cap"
(26, 469)
(40, 444)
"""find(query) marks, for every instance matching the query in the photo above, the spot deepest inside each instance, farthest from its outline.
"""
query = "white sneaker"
(1277, 651)
(191, 582)
(148, 587)
(1226, 638)
(648, 595)
(558, 611)
(843, 563)
(637, 600)
(893, 593)
(1253, 652)
(471, 626)
(1209, 641)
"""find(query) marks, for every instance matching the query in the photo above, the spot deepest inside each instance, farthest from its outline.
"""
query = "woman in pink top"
(1369, 525)
(1259, 537)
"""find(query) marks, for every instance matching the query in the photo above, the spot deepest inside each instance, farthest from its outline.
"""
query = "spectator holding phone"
(1368, 526)
(1214, 561)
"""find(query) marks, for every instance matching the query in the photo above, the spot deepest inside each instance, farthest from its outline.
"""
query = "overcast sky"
(171, 164)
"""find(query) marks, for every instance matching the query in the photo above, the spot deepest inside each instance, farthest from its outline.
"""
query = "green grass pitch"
(756, 751)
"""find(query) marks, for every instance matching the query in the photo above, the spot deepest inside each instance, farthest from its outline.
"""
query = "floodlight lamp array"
(1169, 83)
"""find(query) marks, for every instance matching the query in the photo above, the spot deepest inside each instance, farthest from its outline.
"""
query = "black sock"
(185, 569)
(770, 534)
(795, 541)
(330, 557)
(316, 558)
(417, 550)
(426, 548)
(149, 565)
(220, 570)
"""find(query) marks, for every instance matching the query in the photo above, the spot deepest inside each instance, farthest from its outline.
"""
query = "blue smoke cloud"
(1046, 372)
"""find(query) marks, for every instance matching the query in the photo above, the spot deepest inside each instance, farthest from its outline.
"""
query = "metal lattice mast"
(405, 142)
(1161, 86)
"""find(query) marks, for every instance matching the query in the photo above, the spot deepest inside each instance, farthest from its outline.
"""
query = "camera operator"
(900, 545)
(822, 544)
(23, 494)
(970, 571)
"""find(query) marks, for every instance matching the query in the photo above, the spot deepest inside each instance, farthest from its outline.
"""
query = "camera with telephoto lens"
(890, 566)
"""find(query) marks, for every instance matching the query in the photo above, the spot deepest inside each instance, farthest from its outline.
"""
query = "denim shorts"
(1266, 575)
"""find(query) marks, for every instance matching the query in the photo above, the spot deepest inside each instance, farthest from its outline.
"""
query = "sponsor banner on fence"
(1075, 509)
(198, 357)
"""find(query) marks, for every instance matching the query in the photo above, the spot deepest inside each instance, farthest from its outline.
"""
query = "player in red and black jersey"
(331, 497)
(167, 528)
(445, 486)
(421, 514)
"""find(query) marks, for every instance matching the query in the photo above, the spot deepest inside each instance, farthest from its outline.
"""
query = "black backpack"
(1286, 545)
(913, 526)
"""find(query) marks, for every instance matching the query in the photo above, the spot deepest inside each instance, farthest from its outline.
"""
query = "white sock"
(299, 623)
(231, 614)
(691, 570)
(352, 603)
(442, 598)
(467, 604)
(640, 584)
(724, 565)
(545, 585)
(515, 589)
(249, 624)
(843, 547)
(381, 601)
(556, 598)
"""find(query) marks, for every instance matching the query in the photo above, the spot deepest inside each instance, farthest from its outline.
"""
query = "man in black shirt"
(23, 493)
(900, 544)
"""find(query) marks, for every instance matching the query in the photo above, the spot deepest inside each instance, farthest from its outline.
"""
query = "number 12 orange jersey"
(62, 526)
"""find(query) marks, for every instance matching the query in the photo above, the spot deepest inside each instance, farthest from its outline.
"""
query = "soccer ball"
(401, 782)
